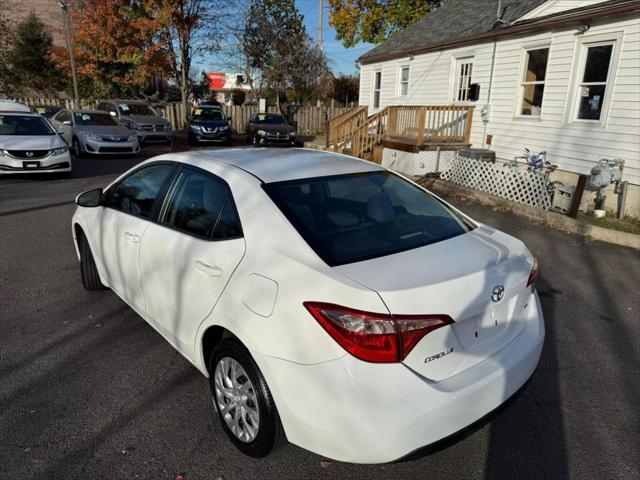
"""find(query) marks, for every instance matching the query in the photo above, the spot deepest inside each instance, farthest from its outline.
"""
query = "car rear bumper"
(50, 164)
(361, 412)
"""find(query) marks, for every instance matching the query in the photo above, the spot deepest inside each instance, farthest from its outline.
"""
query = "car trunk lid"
(479, 279)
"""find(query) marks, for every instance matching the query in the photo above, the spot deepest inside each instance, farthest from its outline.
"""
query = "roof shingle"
(454, 19)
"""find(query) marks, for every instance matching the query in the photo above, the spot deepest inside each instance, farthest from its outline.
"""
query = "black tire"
(90, 277)
(76, 148)
(270, 432)
(192, 140)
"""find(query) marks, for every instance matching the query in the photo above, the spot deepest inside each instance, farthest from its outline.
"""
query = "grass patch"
(627, 224)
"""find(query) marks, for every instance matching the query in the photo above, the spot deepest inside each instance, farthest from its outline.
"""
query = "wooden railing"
(342, 127)
(420, 126)
(370, 133)
(430, 124)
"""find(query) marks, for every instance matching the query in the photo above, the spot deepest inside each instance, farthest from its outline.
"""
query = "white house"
(555, 75)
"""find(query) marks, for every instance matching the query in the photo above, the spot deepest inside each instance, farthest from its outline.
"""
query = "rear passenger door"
(187, 258)
(130, 206)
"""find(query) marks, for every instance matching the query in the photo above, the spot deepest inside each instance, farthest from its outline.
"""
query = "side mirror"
(90, 198)
(112, 113)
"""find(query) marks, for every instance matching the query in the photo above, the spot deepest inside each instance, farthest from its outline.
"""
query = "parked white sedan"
(326, 298)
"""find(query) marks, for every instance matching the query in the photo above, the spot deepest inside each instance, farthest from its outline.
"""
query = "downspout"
(488, 104)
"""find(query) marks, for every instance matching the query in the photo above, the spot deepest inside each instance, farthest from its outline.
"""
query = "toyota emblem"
(497, 293)
(29, 154)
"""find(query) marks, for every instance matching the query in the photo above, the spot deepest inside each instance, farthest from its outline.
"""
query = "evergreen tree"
(28, 62)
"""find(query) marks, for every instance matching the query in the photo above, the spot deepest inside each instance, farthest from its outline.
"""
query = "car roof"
(80, 110)
(280, 164)
(122, 100)
(20, 113)
(12, 106)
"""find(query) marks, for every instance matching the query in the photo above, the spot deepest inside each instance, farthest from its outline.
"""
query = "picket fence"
(308, 120)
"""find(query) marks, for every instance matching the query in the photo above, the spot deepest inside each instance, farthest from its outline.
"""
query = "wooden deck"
(407, 128)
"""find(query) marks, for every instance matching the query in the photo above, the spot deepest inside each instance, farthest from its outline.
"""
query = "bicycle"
(537, 162)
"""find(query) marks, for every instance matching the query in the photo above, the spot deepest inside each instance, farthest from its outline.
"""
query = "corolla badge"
(497, 293)
(438, 355)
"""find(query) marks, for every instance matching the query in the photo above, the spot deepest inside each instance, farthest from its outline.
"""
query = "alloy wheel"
(236, 399)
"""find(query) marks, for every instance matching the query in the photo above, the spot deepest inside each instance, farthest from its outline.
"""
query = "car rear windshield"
(355, 217)
(270, 119)
(94, 119)
(24, 125)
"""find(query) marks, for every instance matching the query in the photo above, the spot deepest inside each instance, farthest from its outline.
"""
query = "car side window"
(63, 116)
(137, 193)
(201, 204)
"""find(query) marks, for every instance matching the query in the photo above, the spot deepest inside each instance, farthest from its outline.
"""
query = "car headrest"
(379, 208)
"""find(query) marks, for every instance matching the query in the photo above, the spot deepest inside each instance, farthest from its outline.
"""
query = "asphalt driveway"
(88, 390)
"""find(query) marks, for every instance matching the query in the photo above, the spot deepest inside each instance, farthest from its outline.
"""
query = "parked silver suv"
(138, 116)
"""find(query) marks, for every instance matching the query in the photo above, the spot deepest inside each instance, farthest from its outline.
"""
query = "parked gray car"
(94, 132)
(136, 115)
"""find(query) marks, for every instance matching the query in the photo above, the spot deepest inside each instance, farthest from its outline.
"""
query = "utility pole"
(320, 25)
(72, 61)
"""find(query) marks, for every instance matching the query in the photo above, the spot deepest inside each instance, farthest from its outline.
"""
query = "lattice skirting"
(420, 163)
(521, 186)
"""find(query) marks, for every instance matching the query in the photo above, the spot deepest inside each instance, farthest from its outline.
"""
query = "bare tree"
(272, 44)
(190, 28)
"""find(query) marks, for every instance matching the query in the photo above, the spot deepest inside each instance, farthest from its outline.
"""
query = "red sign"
(216, 80)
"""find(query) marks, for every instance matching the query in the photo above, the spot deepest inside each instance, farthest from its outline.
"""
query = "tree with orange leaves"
(116, 46)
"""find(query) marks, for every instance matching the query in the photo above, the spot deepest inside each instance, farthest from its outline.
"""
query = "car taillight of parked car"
(375, 337)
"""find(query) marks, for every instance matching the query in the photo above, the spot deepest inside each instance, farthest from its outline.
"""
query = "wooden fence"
(309, 120)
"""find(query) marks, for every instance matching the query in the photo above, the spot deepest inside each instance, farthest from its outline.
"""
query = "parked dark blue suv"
(208, 124)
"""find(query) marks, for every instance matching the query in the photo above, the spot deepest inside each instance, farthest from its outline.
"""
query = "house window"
(593, 81)
(465, 66)
(404, 81)
(377, 83)
(532, 89)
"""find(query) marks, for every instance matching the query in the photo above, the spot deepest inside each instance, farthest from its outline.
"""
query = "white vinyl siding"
(573, 146)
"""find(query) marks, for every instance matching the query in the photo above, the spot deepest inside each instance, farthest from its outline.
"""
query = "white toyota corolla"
(327, 299)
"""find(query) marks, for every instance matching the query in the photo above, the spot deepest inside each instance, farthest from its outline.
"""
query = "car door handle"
(211, 270)
(132, 237)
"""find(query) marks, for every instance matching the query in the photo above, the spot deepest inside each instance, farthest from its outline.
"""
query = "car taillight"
(533, 276)
(374, 337)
